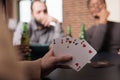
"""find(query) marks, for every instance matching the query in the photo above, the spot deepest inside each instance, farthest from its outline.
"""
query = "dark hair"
(88, 2)
(34, 2)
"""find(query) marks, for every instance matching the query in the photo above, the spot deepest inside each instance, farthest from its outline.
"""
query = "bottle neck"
(24, 27)
(82, 32)
(69, 31)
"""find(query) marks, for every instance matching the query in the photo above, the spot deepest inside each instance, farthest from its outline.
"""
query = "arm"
(99, 31)
(95, 36)
(32, 69)
(51, 21)
(58, 31)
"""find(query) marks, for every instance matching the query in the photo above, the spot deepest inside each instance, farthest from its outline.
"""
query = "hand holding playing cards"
(49, 62)
(80, 50)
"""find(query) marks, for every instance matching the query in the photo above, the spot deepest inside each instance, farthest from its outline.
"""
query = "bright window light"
(25, 11)
(55, 9)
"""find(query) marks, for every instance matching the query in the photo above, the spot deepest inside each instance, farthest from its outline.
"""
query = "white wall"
(113, 6)
(55, 9)
(25, 11)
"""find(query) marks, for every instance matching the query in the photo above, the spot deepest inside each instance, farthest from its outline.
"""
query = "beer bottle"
(82, 31)
(25, 41)
(69, 31)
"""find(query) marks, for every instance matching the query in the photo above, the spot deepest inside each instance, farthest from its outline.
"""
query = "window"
(54, 9)
(24, 10)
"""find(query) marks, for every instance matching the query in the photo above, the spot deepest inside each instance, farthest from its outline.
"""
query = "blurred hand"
(24, 51)
(49, 62)
(47, 19)
(103, 15)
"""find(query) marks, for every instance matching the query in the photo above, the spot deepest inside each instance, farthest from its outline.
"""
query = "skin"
(49, 62)
(46, 64)
(26, 70)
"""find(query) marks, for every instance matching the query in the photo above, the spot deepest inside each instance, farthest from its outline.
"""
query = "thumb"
(51, 46)
(63, 59)
(50, 52)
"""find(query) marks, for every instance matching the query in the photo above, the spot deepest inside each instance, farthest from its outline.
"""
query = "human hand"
(49, 62)
(24, 51)
(48, 19)
(103, 15)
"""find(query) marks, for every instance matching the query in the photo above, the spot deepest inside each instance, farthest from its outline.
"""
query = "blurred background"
(73, 12)
(66, 11)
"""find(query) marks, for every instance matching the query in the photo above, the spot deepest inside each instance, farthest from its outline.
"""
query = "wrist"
(42, 69)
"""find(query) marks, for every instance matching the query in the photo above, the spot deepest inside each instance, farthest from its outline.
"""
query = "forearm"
(32, 69)
(58, 32)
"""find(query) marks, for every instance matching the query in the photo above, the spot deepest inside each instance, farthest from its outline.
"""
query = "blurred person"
(104, 35)
(40, 28)
(12, 68)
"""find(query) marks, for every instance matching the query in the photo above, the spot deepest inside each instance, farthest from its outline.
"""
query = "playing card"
(60, 46)
(75, 50)
(80, 50)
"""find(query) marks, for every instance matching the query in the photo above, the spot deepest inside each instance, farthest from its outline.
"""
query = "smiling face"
(95, 6)
(39, 10)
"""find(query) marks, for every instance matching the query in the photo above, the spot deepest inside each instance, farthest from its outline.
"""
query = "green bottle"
(69, 31)
(25, 40)
(82, 31)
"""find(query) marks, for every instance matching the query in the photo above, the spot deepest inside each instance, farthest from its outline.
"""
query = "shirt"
(104, 37)
(36, 35)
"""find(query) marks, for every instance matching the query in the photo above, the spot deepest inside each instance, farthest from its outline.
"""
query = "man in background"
(40, 29)
(104, 35)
